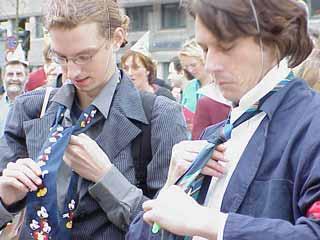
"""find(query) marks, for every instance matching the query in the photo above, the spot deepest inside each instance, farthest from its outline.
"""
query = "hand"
(18, 179)
(184, 153)
(86, 158)
(180, 214)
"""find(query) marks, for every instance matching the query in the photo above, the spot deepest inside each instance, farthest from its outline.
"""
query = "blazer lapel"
(246, 170)
(119, 129)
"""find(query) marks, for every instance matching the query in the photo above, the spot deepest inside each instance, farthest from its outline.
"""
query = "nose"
(213, 62)
(15, 77)
(130, 72)
(72, 70)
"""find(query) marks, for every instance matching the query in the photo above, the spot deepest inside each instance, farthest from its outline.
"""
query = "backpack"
(141, 146)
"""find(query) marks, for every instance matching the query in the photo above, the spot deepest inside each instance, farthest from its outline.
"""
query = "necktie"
(191, 181)
(44, 219)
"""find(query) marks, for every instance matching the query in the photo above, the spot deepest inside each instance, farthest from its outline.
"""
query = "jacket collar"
(126, 98)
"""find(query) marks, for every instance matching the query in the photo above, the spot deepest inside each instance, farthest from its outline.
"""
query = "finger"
(218, 156)
(221, 148)
(147, 205)
(188, 156)
(70, 158)
(216, 166)
(181, 168)
(26, 167)
(22, 177)
(84, 136)
(148, 217)
(14, 183)
(191, 146)
(75, 140)
(72, 150)
(211, 172)
(28, 162)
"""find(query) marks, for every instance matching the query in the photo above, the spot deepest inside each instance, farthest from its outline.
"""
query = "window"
(173, 16)
(39, 27)
(139, 17)
(165, 73)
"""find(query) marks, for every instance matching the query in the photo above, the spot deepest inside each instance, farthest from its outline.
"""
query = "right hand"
(18, 179)
(185, 152)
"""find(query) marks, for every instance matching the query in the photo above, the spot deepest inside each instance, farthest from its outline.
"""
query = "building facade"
(168, 22)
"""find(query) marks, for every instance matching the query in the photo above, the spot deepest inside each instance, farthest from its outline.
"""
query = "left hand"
(180, 214)
(86, 158)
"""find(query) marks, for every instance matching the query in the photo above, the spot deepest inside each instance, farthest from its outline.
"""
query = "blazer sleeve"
(13, 143)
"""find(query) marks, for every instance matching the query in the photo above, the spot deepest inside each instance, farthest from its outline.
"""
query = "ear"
(118, 38)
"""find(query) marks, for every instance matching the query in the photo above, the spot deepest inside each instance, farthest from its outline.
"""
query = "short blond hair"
(192, 49)
(69, 14)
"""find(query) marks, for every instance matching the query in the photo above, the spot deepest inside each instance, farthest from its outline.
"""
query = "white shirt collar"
(269, 81)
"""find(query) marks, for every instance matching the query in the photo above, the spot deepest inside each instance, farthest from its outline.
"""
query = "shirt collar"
(269, 81)
(66, 94)
(104, 99)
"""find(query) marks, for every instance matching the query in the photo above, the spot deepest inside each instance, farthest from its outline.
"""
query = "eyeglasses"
(79, 60)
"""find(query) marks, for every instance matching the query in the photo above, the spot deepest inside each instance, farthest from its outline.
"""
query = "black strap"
(141, 146)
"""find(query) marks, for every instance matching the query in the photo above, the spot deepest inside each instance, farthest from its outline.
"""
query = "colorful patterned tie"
(192, 180)
(44, 220)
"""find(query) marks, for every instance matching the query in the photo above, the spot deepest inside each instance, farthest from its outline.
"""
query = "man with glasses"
(85, 35)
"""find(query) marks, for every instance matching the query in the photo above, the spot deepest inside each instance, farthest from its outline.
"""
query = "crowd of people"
(225, 148)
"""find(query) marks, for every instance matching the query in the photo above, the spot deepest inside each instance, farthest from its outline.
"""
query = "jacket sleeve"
(305, 156)
(120, 199)
(26, 107)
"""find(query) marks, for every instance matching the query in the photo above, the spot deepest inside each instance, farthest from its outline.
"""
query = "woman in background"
(142, 72)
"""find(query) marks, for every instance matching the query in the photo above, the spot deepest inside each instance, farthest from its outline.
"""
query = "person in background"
(46, 75)
(177, 78)
(309, 70)
(15, 75)
(271, 188)
(192, 60)
(142, 71)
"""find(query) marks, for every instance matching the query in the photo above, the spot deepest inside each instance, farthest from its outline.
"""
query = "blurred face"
(193, 65)
(52, 71)
(173, 74)
(15, 77)
(236, 66)
(137, 72)
(90, 61)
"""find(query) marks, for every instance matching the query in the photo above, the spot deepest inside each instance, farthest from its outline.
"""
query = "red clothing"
(208, 112)
(36, 79)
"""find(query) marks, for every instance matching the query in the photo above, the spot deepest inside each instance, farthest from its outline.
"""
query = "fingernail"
(39, 181)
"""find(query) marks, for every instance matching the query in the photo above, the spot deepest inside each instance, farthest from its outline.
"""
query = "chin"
(14, 89)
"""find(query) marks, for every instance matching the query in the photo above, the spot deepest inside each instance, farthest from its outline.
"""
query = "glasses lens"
(83, 59)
